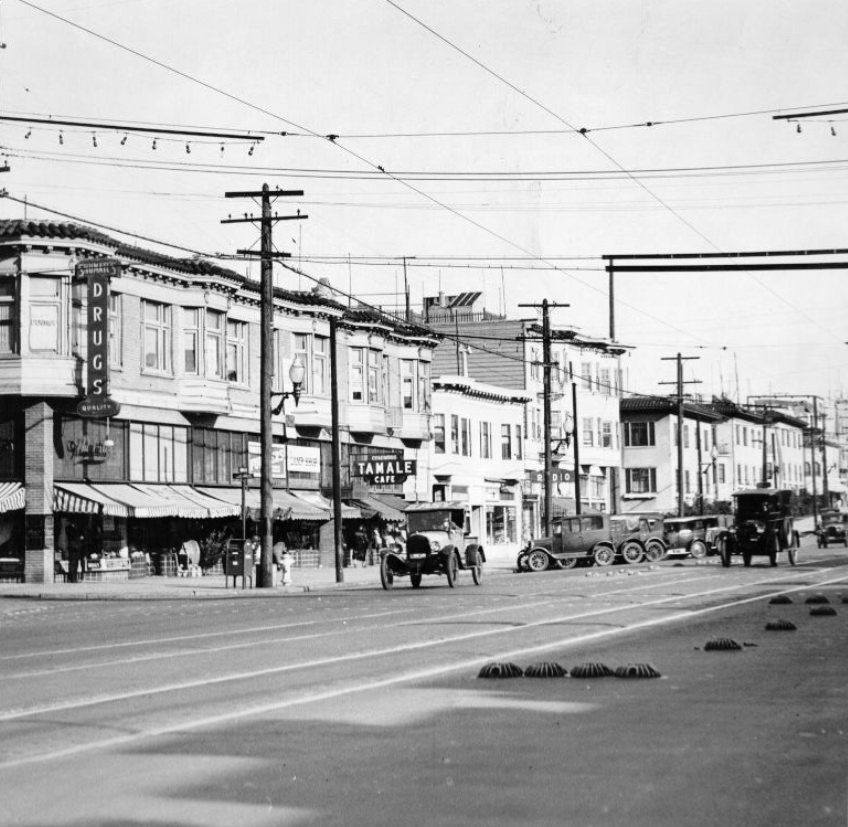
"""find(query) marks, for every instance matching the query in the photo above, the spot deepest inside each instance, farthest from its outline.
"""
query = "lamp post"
(242, 476)
(297, 372)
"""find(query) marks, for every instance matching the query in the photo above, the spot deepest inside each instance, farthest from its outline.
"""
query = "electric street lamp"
(297, 371)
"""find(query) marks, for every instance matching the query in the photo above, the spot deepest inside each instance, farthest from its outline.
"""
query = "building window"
(191, 341)
(44, 314)
(639, 434)
(534, 363)
(486, 440)
(720, 469)
(588, 434)
(116, 356)
(500, 525)
(506, 441)
(687, 487)
(156, 336)
(158, 453)
(706, 440)
(374, 360)
(640, 480)
(586, 375)
(407, 384)
(214, 344)
(385, 387)
(237, 352)
(465, 436)
(606, 435)
(301, 354)
(685, 435)
(604, 381)
(519, 446)
(357, 374)
(8, 320)
(439, 433)
(454, 434)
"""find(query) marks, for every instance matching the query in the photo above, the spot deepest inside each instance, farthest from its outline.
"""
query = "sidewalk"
(213, 586)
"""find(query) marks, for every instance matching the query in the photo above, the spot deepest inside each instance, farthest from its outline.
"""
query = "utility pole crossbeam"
(266, 255)
(681, 502)
(546, 416)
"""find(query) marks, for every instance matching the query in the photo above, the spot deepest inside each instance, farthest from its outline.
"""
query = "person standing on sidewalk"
(76, 552)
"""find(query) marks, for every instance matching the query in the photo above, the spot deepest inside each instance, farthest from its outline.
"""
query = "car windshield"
(431, 521)
(753, 507)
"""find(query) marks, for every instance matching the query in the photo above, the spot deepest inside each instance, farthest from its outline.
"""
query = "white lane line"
(17, 714)
(407, 677)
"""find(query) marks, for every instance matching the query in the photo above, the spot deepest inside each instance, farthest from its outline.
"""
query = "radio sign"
(385, 470)
(97, 402)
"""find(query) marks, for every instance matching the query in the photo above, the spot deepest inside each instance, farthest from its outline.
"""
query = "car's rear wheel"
(415, 579)
(477, 573)
(568, 562)
(654, 551)
(792, 553)
(632, 552)
(604, 556)
(451, 569)
(725, 550)
(746, 558)
(387, 577)
(537, 560)
(698, 549)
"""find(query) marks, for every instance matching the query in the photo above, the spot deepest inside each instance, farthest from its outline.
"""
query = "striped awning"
(12, 496)
(371, 506)
(214, 506)
(81, 498)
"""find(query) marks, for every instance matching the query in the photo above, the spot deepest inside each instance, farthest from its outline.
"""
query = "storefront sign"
(97, 401)
(43, 327)
(385, 470)
(556, 476)
(301, 458)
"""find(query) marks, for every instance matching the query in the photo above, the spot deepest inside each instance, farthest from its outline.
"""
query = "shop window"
(156, 336)
(237, 352)
(158, 453)
(501, 525)
(8, 316)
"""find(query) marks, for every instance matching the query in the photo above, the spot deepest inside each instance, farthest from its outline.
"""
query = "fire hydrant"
(286, 567)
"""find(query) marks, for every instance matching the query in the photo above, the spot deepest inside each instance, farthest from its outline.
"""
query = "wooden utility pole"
(266, 359)
(681, 502)
(546, 408)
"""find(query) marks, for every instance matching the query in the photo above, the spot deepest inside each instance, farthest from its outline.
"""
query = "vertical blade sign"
(97, 402)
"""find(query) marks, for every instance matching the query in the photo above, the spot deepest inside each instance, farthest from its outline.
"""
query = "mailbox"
(238, 561)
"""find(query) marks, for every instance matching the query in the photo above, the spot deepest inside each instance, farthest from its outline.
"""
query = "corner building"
(184, 369)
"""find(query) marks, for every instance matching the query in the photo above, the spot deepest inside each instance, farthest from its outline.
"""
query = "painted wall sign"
(301, 458)
(385, 470)
(97, 401)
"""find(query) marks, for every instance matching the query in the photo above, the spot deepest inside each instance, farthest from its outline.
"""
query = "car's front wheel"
(654, 551)
(568, 562)
(451, 569)
(387, 577)
(632, 552)
(698, 549)
(537, 560)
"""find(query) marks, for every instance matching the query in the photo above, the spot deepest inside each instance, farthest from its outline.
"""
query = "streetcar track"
(251, 675)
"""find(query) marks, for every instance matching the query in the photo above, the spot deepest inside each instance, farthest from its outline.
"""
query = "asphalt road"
(359, 706)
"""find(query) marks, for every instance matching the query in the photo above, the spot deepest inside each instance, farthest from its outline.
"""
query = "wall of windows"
(158, 453)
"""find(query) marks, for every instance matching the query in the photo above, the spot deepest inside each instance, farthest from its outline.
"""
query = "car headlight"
(435, 545)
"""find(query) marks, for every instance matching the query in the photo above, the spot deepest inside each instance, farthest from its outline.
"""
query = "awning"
(286, 507)
(81, 498)
(370, 506)
(12, 496)
(216, 507)
(319, 501)
(161, 416)
(188, 503)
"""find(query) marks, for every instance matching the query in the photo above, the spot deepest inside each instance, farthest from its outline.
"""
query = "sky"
(460, 148)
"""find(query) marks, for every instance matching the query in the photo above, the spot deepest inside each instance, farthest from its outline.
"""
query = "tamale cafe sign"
(386, 470)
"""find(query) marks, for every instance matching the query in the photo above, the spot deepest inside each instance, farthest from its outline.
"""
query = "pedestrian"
(76, 552)
(278, 552)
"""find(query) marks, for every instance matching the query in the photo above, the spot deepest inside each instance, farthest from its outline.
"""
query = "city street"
(360, 706)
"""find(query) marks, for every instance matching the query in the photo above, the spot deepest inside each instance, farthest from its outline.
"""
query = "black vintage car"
(764, 526)
(694, 535)
(437, 543)
(832, 528)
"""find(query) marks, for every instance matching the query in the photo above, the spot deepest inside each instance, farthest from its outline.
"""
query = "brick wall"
(38, 479)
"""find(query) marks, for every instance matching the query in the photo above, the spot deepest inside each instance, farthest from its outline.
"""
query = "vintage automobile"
(595, 539)
(764, 526)
(437, 543)
(832, 527)
(695, 535)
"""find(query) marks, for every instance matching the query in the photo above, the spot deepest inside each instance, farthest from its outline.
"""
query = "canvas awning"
(319, 501)
(286, 506)
(216, 507)
(81, 498)
(371, 506)
(12, 496)
(187, 502)
(124, 500)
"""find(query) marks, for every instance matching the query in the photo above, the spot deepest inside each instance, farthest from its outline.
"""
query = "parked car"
(595, 538)
(832, 527)
(764, 526)
(438, 542)
(695, 535)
